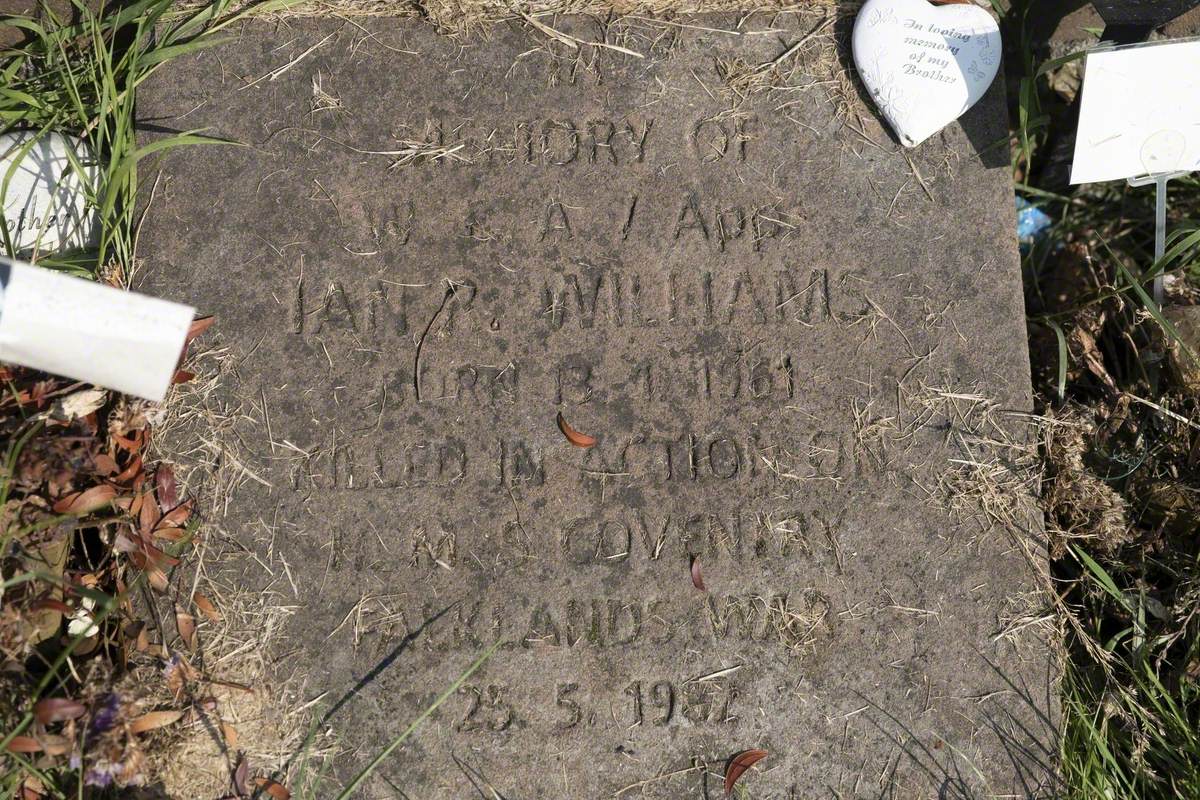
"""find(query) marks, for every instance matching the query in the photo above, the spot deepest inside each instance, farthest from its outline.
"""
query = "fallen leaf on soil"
(240, 774)
(176, 676)
(24, 744)
(206, 607)
(55, 745)
(183, 376)
(697, 578)
(274, 788)
(87, 501)
(57, 709)
(178, 515)
(230, 733)
(169, 532)
(50, 604)
(198, 327)
(143, 554)
(123, 543)
(186, 624)
(573, 436)
(158, 579)
(153, 720)
(132, 444)
(78, 404)
(739, 764)
(167, 490)
(130, 472)
(148, 516)
(104, 464)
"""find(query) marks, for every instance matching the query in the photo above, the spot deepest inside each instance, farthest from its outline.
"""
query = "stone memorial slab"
(793, 342)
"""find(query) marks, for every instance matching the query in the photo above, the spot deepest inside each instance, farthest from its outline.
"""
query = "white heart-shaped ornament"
(46, 206)
(925, 65)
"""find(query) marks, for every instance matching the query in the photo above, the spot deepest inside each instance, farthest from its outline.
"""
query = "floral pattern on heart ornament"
(925, 65)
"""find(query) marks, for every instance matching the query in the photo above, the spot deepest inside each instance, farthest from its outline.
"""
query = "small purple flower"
(101, 775)
(106, 716)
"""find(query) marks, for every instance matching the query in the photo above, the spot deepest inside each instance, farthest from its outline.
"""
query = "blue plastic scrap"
(1032, 223)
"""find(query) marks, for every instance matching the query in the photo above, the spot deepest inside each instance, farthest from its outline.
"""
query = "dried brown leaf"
(169, 532)
(55, 745)
(697, 576)
(57, 709)
(145, 555)
(183, 376)
(50, 604)
(178, 515)
(154, 719)
(241, 774)
(104, 464)
(167, 489)
(186, 624)
(87, 501)
(158, 579)
(739, 764)
(199, 326)
(131, 444)
(31, 789)
(573, 436)
(206, 607)
(274, 788)
(148, 516)
(24, 744)
(130, 472)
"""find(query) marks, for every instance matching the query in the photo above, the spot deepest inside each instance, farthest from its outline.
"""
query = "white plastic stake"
(85, 330)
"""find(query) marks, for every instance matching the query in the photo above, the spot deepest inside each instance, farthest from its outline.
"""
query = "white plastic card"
(1140, 112)
(88, 331)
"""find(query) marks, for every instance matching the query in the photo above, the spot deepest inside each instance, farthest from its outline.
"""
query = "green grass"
(1130, 602)
(79, 77)
(1132, 727)
(311, 781)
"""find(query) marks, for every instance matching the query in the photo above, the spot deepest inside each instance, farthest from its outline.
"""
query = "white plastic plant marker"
(1139, 120)
(1139, 113)
(46, 209)
(79, 329)
(925, 65)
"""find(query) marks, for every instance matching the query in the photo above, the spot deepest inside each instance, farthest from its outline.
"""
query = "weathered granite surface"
(1151, 13)
(786, 333)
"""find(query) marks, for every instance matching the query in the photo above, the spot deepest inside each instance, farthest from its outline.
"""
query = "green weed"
(1129, 581)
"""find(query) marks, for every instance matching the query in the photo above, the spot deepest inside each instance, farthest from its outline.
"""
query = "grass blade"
(352, 787)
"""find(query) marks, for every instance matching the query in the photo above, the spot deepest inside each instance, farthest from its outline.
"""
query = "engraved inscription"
(688, 256)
